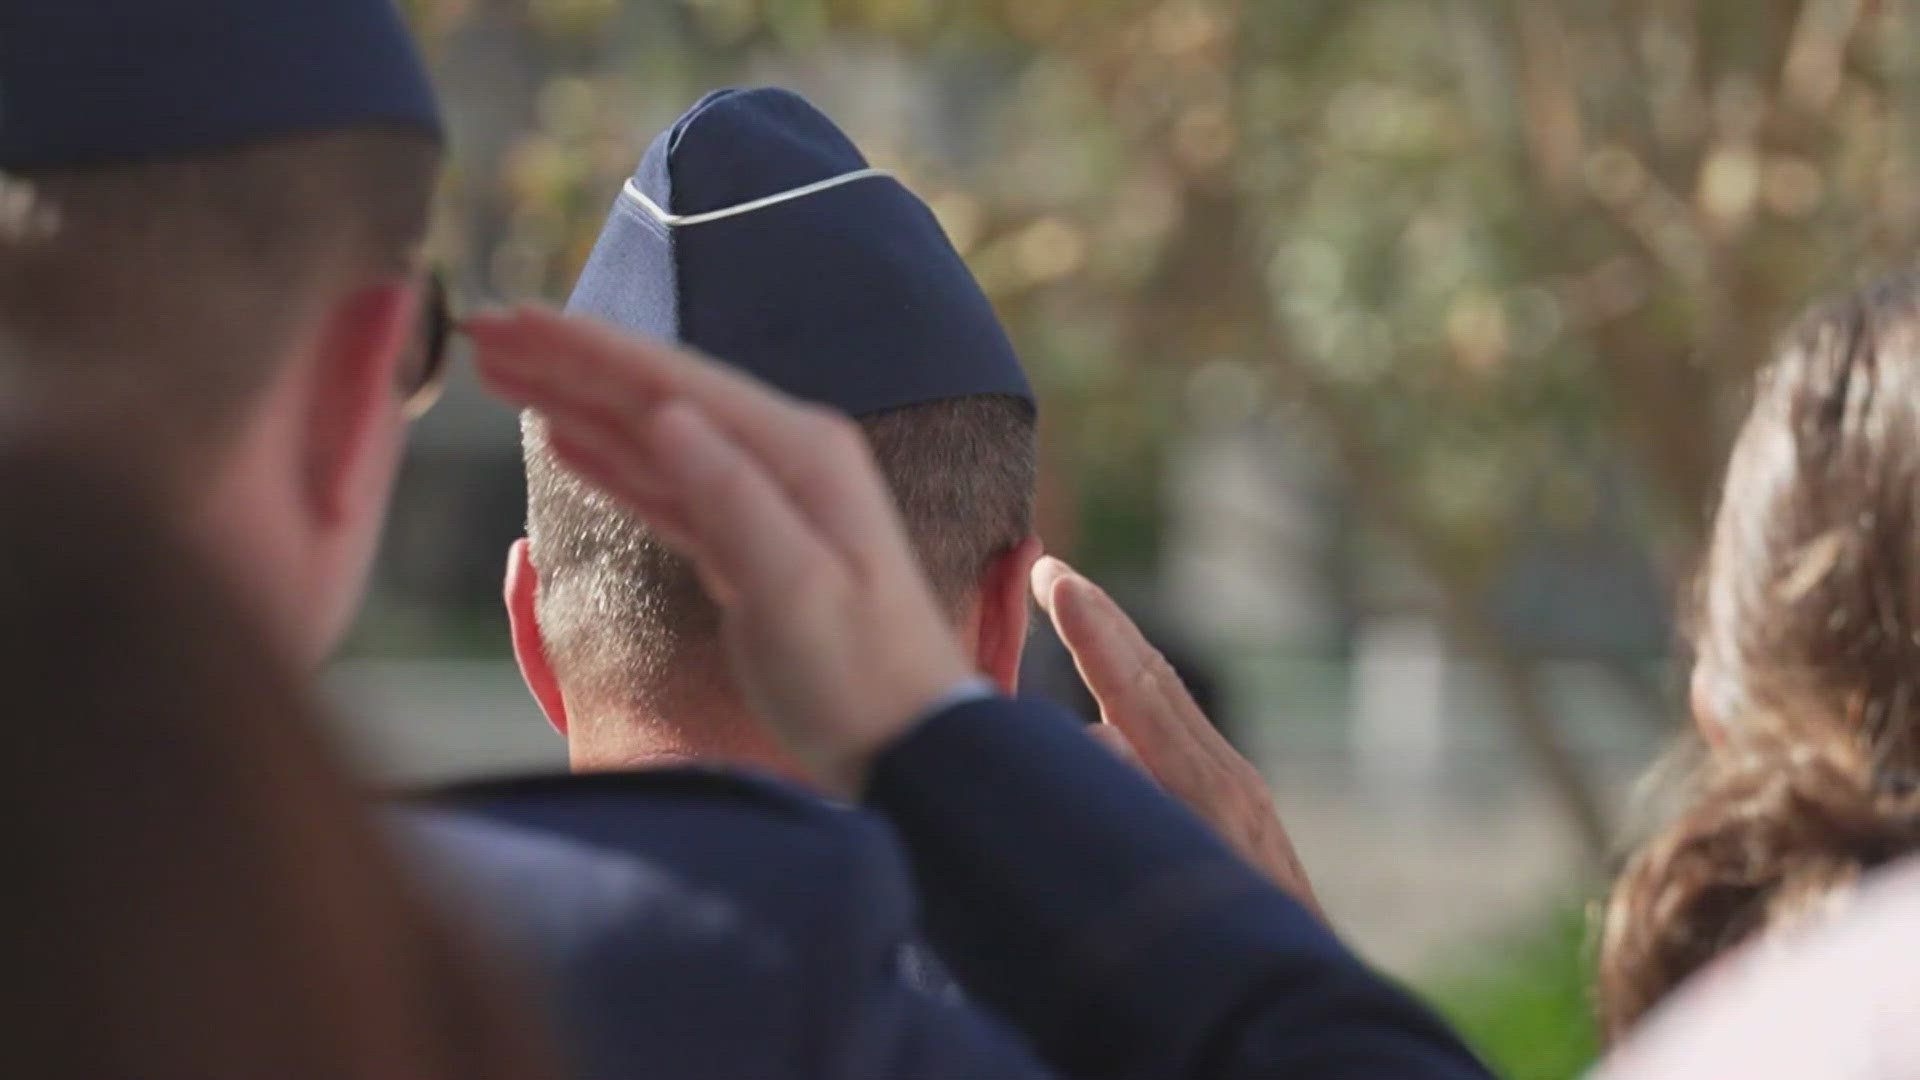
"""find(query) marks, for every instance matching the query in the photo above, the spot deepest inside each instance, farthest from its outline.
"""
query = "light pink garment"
(1839, 1000)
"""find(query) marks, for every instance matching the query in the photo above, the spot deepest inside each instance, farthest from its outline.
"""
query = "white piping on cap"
(632, 191)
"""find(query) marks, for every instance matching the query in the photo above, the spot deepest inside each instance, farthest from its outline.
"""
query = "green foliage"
(1500, 248)
(1526, 1006)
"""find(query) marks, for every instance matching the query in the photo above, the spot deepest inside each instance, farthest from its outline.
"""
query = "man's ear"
(1001, 636)
(529, 648)
(353, 405)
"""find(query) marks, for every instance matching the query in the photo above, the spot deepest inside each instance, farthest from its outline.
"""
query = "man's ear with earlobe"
(529, 647)
(353, 404)
(1001, 636)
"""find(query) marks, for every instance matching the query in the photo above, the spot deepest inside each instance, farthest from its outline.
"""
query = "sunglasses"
(423, 374)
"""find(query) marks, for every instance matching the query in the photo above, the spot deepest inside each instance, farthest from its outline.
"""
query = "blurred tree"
(1507, 254)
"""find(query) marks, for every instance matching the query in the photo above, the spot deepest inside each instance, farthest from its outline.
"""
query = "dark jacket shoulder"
(700, 923)
(789, 856)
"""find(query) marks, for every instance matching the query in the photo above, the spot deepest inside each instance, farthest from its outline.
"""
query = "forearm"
(1114, 929)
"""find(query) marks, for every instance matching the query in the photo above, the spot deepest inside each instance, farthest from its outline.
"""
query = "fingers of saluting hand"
(1136, 690)
(605, 461)
(740, 529)
(586, 421)
(1149, 711)
(583, 376)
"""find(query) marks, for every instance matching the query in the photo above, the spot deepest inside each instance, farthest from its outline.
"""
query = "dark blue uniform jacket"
(712, 925)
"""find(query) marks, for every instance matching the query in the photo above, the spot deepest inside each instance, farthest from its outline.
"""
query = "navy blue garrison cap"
(112, 81)
(755, 232)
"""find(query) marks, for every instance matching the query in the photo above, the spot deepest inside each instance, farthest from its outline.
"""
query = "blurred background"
(1388, 349)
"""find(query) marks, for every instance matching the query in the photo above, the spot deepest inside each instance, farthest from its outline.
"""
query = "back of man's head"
(755, 232)
(206, 169)
(625, 620)
(163, 291)
(228, 199)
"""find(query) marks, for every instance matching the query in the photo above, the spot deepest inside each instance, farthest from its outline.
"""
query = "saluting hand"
(830, 628)
(1147, 713)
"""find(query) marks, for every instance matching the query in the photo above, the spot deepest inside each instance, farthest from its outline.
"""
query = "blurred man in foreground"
(236, 193)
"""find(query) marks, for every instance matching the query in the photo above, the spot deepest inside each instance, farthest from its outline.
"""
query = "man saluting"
(1118, 934)
(754, 231)
(1068, 896)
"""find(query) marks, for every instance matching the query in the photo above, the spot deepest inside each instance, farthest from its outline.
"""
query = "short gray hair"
(625, 620)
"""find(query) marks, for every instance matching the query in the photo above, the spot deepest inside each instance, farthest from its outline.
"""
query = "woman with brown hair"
(1806, 684)
(193, 886)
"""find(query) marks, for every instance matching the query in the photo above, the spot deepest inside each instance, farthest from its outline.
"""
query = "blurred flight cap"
(105, 82)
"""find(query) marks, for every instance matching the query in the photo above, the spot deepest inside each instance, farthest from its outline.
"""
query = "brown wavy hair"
(1805, 628)
(194, 885)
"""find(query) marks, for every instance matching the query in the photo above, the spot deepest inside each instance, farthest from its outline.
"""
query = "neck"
(626, 740)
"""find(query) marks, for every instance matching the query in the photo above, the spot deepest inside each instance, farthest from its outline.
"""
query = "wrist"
(852, 773)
